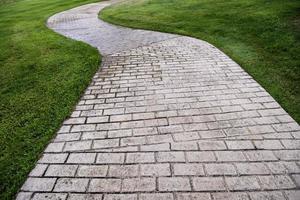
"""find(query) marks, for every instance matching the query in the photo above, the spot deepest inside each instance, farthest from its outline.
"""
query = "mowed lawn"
(263, 36)
(42, 76)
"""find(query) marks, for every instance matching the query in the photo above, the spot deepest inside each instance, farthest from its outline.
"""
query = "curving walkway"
(166, 117)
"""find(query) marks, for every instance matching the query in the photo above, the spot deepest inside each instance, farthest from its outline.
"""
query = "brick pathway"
(166, 117)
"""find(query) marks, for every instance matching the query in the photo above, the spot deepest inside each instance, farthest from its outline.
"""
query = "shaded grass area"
(42, 77)
(263, 36)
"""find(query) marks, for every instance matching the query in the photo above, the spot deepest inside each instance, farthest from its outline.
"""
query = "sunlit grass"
(42, 76)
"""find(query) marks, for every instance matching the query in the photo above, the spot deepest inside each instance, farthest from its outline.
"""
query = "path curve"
(165, 117)
(82, 23)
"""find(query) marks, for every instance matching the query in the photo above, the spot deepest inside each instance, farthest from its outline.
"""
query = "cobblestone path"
(166, 117)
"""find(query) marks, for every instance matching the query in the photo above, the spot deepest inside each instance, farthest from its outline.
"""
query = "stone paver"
(166, 117)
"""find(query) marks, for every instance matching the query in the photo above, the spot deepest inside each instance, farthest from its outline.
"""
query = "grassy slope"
(42, 77)
(263, 36)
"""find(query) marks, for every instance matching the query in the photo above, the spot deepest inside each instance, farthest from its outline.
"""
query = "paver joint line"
(165, 117)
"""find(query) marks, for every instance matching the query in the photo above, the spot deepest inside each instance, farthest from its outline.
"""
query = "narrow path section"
(82, 24)
(166, 117)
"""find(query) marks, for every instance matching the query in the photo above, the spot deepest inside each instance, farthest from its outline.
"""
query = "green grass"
(42, 77)
(263, 36)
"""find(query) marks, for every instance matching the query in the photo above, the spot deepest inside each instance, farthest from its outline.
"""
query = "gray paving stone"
(94, 135)
(188, 170)
(296, 178)
(53, 158)
(193, 196)
(119, 133)
(239, 144)
(107, 143)
(94, 120)
(159, 139)
(242, 183)
(252, 168)
(230, 156)
(85, 197)
(110, 158)
(212, 145)
(156, 147)
(230, 196)
(170, 157)
(67, 137)
(291, 144)
(71, 185)
(64, 129)
(138, 185)
(208, 184)
(81, 158)
(38, 170)
(156, 196)
(24, 196)
(79, 120)
(39, 184)
(267, 195)
(288, 155)
(280, 167)
(61, 170)
(78, 145)
(293, 195)
(173, 184)
(260, 155)
(268, 144)
(55, 147)
(133, 141)
(145, 131)
(155, 170)
(92, 171)
(86, 127)
(120, 197)
(195, 156)
(105, 185)
(140, 157)
(220, 169)
(191, 145)
(186, 136)
(50, 196)
(123, 171)
(212, 134)
(276, 182)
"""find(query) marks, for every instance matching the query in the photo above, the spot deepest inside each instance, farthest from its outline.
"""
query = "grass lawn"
(42, 77)
(263, 36)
